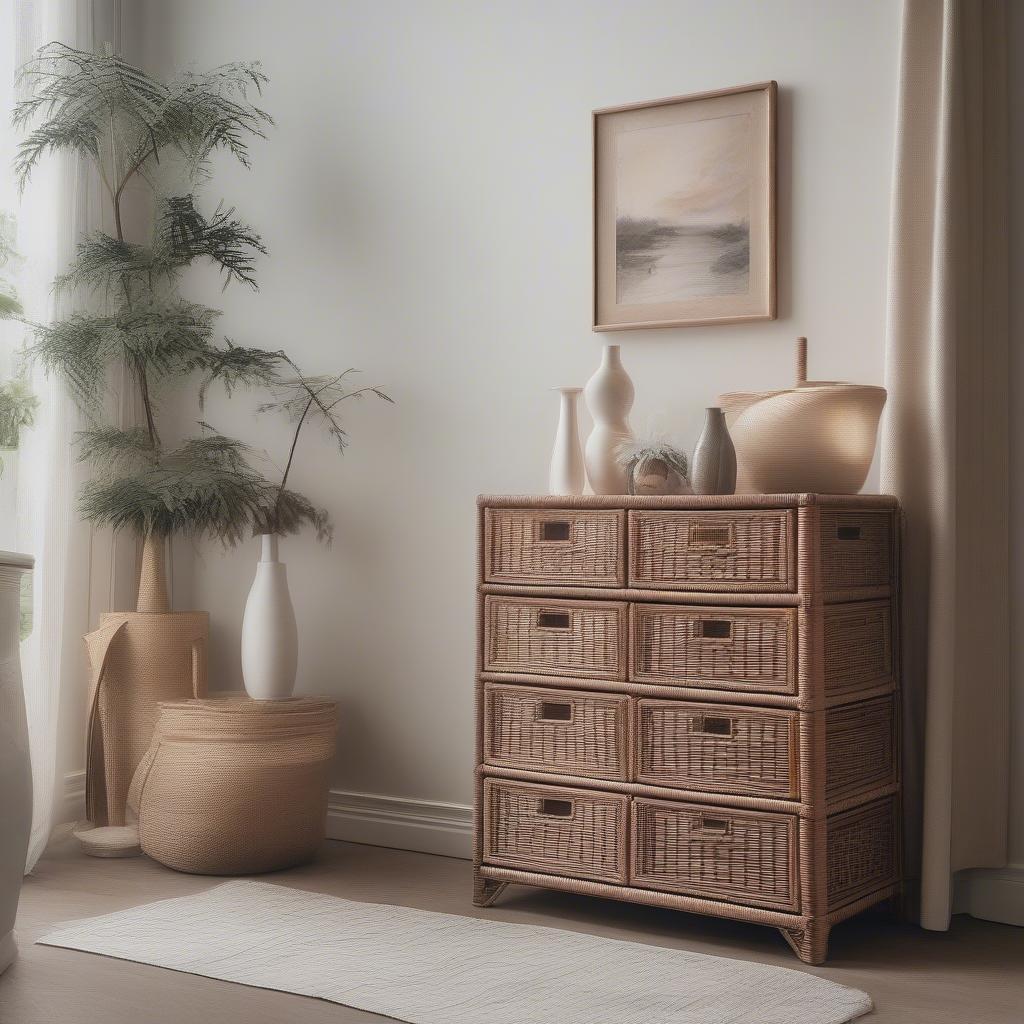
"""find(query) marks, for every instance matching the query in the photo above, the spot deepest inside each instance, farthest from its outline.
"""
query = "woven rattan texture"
(721, 734)
(557, 731)
(858, 647)
(556, 830)
(860, 742)
(856, 549)
(740, 856)
(555, 546)
(584, 638)
(711, 550)
(718, 749)
(861, 851)
(235, 786)
(738, 648)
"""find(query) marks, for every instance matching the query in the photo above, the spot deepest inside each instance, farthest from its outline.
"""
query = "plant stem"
(291, 455)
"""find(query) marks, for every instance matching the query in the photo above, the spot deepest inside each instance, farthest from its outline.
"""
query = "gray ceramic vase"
(714, 458)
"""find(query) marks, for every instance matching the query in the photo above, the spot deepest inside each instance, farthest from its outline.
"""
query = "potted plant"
(269, 631)
(128, 316)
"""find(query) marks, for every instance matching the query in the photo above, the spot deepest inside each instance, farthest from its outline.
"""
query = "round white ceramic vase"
(609, 395)
(270, 639)
(567, 474)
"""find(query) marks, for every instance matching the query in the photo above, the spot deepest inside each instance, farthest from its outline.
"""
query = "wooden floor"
(973, 974)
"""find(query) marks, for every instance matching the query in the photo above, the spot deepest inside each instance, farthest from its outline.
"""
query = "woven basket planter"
(234, 786)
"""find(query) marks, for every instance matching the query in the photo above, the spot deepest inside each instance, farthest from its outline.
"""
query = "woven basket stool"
(233, 786)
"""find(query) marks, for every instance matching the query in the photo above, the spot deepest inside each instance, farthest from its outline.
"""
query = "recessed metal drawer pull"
(712, 725)
(714, 826)
(848, 532)
(554, 620)
(555, 530)
(715, 629)
(555, 711)
(555, 808)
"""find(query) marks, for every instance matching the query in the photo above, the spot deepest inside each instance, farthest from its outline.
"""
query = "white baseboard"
(422, 825)
(993, 894)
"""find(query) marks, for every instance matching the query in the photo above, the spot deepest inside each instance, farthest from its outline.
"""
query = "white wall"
(426, 200)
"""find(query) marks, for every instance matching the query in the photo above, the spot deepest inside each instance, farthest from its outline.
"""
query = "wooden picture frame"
(684, 210)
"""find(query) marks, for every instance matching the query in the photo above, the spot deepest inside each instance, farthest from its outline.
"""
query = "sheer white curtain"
(60, 202)
(945, 441)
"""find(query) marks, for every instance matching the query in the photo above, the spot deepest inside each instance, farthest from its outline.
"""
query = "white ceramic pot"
(15, 767)
(270, 639)
(567, 474)
(609, 395)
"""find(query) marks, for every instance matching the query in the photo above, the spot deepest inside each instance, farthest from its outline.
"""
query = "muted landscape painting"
(682, 210)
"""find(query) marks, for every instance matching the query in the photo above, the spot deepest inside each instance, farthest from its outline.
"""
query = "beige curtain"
(945, 439)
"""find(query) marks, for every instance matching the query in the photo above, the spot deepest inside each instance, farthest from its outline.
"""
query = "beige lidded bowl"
(818, 437)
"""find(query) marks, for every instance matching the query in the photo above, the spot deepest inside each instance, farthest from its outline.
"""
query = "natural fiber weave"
(759, 677)
(707, 850)
(740, 648)
(555, 546)
(235, 786)
(138, 660)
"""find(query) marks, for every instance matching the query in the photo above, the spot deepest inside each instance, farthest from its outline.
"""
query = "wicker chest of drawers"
(691, 702)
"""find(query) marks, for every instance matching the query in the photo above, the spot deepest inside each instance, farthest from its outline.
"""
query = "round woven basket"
(234, 786)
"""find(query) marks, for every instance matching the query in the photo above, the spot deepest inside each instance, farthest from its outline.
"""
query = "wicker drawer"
(856, 549)
(862, 851)
(716, 747)
(574, 832)
(714, 551)
(560, 731)
(860, 745)
(555, 547)
(716, 852)
(858, 647)
(725, 648)
(562, 638)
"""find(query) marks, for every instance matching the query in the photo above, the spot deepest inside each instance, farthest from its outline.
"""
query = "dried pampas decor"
(654, 467)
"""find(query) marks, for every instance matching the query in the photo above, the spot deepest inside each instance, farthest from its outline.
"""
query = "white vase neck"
(269, 550)
(611, 358)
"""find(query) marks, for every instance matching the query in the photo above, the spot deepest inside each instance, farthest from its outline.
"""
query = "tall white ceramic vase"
(609, 395)
(270, 639)
(15, 768)
(567, 475)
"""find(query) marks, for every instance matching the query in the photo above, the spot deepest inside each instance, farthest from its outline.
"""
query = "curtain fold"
(60, 203)
(945, 440)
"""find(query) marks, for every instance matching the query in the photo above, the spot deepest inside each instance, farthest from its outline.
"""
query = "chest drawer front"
(860, 747)
(716, 852)
(713, 551)
(566, 638)
(559, 731)
(727, 648)
(555, 547)
(856, 549)
(719, 748)
(573, 832)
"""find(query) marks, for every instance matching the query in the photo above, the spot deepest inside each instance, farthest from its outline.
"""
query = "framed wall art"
(684, 210)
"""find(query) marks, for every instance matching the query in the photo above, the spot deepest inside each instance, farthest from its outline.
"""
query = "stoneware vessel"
(714, 458)
(817, 437)
(270, 639)
(609, 395)
(15, 767)
(567, 474)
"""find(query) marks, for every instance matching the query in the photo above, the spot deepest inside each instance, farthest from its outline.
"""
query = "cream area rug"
(429, 968)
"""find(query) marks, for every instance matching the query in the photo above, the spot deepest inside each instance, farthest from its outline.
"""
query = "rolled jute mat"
(234, 786)
(138, 659)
